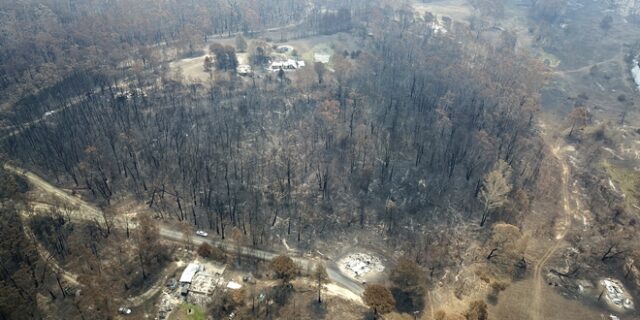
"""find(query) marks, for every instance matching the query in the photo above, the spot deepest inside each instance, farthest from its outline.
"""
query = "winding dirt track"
(560, 229)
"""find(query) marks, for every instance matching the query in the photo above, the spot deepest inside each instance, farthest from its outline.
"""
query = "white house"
(286, 65)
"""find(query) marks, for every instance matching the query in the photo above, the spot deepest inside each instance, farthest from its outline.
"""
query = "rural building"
(286, 65)
(189, 272)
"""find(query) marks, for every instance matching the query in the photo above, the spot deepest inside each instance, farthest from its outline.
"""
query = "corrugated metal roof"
(189, 272)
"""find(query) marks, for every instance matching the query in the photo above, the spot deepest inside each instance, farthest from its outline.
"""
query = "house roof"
(287, 64)
(189, 272)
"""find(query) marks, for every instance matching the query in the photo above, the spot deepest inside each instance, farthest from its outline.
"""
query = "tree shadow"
(282, 293)
(407, 302)
(492, 298)
(319, 310)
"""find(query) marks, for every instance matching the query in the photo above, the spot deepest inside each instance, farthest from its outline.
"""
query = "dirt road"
(69, 277)
(560, 230)
(91, 212)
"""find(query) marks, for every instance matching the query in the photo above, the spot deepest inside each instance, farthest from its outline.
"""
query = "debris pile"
(204, 283)
(360, 264)
(437, 28)
(127, 94)
(168, 302)
(615, 294)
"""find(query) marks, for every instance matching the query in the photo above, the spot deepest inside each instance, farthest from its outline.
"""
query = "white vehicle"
(124, 310)
(202, 233)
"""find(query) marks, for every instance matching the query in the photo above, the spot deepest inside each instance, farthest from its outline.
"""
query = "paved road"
(89, 212)
(332, 269)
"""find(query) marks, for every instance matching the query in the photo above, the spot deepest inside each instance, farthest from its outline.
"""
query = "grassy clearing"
(627, 181)
(322, 48)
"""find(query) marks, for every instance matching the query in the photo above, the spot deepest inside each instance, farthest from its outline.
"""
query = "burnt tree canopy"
(284, 268)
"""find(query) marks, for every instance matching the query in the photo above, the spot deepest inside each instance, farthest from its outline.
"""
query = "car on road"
(124, 310)
(202, 233)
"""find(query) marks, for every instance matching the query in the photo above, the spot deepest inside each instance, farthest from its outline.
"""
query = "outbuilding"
(189, 272)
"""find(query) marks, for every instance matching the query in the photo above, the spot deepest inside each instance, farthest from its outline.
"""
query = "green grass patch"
(190, 311)
(627, 181)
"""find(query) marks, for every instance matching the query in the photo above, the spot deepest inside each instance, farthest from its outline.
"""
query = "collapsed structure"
(360, 264)
(616, 294)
